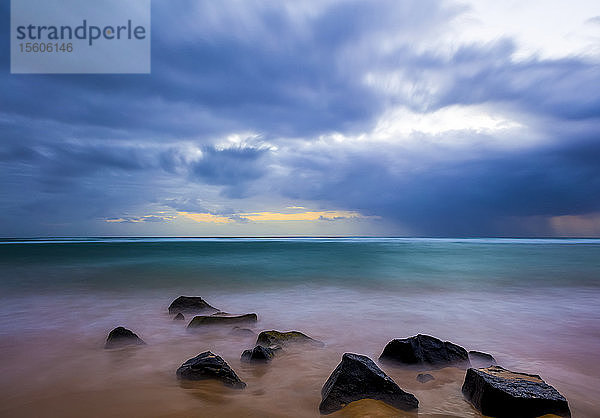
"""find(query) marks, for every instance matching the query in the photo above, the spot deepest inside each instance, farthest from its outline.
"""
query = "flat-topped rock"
(222, 319)
(278, 338)
(190, 304)
(480, 360)
(258, 354)
(209, 366)
(121, 337)
(358, 377)
(498, 392)
(424, 351)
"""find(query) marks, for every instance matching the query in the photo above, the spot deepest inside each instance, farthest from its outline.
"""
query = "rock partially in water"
(278, 338)
(480, 360)
(121, 337)
(190, 304)
(424, 351)
(258, 354)
(358, 377)
(424, 377)
(210, 366)
(220, 319)
(179, 317)
(242, 332)
(498, 392)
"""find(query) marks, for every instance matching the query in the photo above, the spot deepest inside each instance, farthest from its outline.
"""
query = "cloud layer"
(386, 113)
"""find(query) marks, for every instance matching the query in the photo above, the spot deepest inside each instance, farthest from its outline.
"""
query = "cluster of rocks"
(491, 389)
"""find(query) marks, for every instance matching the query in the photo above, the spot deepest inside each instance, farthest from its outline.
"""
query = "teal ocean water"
(409, 264)
(533, 304)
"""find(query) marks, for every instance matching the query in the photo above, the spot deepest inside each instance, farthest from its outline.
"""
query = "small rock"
(258, 354)
(425, 351)
(120, 337)
(358, 377)
(271, 338)
(179, 317)
(498, 392)
(424, 377)
(480, 360)
(190, 304)
(242, 332)
(209, 366)
(202, 320)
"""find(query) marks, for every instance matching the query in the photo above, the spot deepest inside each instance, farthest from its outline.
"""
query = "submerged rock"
(190, 304)
(242, 332)
(179, 317)
(424, 377)
(425, 351)
(358, 377)
(209, 366)
(278, 338)
(480, 360)
(120, 337)
(498, 392)
(258, 354)
(220, 319)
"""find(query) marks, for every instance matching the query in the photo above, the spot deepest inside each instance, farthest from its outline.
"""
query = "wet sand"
(53, 363)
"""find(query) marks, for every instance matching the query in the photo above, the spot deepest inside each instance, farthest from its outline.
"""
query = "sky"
(372, 118)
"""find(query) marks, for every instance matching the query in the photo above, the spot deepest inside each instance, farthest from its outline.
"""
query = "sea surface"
(533, 304)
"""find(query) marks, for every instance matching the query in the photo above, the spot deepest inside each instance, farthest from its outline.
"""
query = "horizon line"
(289, 236)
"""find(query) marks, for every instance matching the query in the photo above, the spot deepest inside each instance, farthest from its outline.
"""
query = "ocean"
(534, 304)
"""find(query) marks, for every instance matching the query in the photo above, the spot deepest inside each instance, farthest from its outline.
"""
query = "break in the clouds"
(435, 118)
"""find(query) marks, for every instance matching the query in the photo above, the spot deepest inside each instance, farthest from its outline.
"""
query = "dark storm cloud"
(548, 87)
(229, 166)
(88, 147)
(485, 196)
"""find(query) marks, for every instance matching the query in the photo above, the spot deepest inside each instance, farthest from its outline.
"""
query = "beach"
(532, 304)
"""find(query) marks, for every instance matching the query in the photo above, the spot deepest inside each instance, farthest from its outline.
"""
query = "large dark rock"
(190, 304)
(273, 338)
(222, 319)
(258, 354)
(358, 377)
(120, 337)
(209, 366)
(498, 392)
(425, 351)
(480, 360)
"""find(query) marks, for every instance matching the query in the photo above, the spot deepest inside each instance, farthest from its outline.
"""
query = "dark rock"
(480, 360)
(425, 351)
(179, 317)
(190, 304)
(120, 337)
(271, 338)
(424, 377)
(209, 366)
(498, 392)
(242, 332)
(258, 354)
(358, 377)
(202, 320)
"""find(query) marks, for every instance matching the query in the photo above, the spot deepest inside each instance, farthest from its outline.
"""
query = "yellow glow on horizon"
(301, 216)
(276, 216)
(207, 217)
